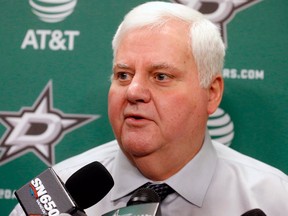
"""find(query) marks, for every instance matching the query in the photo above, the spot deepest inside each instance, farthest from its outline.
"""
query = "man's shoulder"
(243, 162)
(104, 153)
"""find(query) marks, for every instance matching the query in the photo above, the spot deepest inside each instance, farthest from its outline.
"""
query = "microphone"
(142, 196)
(47, 195)
(144, 201)
(254, 212)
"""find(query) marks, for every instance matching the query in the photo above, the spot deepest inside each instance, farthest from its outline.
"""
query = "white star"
(38, 129)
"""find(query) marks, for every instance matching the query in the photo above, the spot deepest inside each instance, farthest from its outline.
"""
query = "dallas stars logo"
(37, 129)
(219, 11)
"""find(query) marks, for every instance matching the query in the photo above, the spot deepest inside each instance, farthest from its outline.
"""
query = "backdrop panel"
(55, 78)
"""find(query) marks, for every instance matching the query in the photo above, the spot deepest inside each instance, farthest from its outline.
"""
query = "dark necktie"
(163, 190)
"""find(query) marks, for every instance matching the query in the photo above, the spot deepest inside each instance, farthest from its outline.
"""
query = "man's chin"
(137, 149)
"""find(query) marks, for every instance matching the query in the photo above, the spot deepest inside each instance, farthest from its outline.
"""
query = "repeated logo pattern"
(221, 127)
(40, 127)
(219, 11)
(52, 11)
(37, 129)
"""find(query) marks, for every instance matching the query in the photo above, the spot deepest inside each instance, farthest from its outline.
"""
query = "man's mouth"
(137, 117)
(136, 120)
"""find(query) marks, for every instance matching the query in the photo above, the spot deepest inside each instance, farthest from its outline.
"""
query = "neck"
(160, 166)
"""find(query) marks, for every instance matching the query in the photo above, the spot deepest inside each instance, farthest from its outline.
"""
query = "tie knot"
(163, 190)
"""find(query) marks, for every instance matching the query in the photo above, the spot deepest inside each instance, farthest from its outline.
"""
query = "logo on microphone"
(218, 11)
(52, 11)
(37, 129)
(43, 199)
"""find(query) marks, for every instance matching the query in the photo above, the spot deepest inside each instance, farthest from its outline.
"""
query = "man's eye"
(161, 76)
(122, 76)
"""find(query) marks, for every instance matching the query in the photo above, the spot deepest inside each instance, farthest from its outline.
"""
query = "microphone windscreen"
(89, 184)
(254, 212)
(143, 195)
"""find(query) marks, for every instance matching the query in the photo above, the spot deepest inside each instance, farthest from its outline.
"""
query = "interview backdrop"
(55, 63)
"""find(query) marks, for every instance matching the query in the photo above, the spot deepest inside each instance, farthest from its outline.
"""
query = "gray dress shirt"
(218, 181)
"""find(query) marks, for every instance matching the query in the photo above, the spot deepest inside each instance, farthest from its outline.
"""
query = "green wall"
(54, 79)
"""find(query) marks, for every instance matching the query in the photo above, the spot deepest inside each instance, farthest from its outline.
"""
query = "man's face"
(156, 106)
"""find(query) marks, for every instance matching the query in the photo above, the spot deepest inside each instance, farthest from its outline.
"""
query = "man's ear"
(215, 91)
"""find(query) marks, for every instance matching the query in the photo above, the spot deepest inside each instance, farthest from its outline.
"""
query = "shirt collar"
(191, 182)
(196, 176)
(127, 177)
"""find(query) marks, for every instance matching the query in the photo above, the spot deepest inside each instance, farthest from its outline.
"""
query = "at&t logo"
(54, 40)
(221, 127)
(51, 11)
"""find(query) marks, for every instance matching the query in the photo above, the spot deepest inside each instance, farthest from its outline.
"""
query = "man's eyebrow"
(121, 65)
(164, 66)
(157, 66)
(160, 66)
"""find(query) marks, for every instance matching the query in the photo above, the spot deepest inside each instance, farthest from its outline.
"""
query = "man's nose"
(138, 90)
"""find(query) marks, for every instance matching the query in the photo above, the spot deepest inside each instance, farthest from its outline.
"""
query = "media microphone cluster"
(47, 195)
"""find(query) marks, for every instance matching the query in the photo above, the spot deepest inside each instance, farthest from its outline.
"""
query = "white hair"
(206, 43)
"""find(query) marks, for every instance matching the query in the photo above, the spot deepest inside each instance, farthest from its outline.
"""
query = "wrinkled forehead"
(171, 28)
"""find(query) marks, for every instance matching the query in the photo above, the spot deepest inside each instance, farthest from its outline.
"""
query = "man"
(166, 82)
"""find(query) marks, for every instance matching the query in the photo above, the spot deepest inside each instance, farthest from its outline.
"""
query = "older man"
(166, 82)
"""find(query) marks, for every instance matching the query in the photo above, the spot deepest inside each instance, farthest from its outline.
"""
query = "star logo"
(37, 129)
(219, 12)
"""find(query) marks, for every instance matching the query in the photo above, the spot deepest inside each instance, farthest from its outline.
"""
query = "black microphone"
(144, 201)
(47, 195)
(254, 212)
(142, 196)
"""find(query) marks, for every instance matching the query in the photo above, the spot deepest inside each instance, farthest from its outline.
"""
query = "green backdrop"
(55, 72)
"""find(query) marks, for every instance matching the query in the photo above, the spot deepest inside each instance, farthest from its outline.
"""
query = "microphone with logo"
(254, 212)
(144, 201)
(47, 195)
